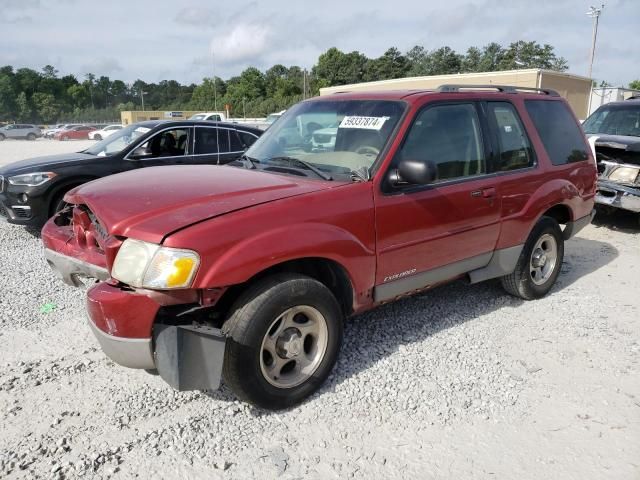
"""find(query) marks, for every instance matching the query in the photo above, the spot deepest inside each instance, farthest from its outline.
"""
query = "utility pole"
(142, 92)
(595, 14)
(304, 84)
(215, 95)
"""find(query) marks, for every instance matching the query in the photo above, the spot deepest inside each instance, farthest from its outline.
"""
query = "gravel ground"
(460, 382)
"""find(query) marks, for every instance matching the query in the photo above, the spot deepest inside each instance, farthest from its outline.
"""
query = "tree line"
(27, 95)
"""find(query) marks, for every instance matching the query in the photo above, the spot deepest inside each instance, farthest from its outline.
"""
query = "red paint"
(242, 222)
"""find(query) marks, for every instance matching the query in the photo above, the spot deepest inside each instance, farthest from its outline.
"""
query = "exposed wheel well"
(326, 271)
(60, 191)
(560, 213)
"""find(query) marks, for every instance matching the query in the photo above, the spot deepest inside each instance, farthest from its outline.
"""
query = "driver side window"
(169, 143)
(449, 137)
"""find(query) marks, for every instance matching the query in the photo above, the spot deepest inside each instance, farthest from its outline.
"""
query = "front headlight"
(624, 175)
(31, 179)
(147, 265)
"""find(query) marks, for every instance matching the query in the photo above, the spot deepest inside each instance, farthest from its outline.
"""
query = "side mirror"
(140, 153)
(415, 172)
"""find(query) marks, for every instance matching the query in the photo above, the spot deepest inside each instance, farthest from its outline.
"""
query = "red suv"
(248, 271)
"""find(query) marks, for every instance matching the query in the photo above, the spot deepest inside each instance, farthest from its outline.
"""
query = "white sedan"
(104, 133)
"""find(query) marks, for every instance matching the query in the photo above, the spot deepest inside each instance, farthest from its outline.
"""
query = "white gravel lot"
(460, 382)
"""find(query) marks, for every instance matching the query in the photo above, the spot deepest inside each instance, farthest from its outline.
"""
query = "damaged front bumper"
(616, 195)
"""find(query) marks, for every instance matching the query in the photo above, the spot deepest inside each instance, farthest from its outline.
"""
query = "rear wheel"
(284, 335)
(2, 137)
(540, 261)
(97, 137)
(31, 136)
(65, 138)
(57, 204)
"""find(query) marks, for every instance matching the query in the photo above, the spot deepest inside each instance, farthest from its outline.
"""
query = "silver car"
(20, 130)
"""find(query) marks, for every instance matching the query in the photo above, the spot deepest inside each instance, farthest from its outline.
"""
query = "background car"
(104, 132)
(50, 133)
(615, 130)
(20, 130)
(32, 190)
(80, 132)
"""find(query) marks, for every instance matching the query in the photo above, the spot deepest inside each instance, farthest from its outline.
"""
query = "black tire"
(520, 283)
(65, 138)
(2, 137)
(31, 137)
(253, 316)
(97, 137)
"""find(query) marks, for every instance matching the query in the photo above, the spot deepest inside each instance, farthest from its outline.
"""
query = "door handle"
(488, 192)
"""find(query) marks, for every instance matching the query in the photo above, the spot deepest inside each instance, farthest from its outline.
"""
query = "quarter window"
(562, 138)
(515, 149)
(449, 137)
(247, 139)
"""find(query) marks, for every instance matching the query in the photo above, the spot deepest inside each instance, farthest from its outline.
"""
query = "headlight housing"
(147, 265)
(31, 179)
(624, 175)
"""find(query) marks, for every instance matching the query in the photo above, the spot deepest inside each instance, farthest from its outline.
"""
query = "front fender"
(253, 255)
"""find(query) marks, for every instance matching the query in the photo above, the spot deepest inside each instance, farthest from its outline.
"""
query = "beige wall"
(574, 88)
(129, 117)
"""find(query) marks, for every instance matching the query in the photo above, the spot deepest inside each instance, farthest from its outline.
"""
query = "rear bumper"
(618, 196)
(574, 227)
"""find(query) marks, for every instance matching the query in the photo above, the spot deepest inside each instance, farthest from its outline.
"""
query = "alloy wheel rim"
(294, 346)
(544, 257)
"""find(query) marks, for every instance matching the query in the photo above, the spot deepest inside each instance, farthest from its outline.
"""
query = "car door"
(430, 233)
(15, 131)
(170, 146)
(216, 145)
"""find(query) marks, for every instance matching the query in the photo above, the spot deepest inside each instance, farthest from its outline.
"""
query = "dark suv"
(248, 271)
(32, 190)
(615, 131)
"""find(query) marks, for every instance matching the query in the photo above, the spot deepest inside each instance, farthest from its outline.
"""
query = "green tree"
(523, 54)
(23, 109)
(338, 68)
(634, 85)
(46, 107)
(7, 98)
(392, 64)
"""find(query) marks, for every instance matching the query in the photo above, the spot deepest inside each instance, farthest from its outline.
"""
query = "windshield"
(197, 116)
(117, 141)
(624, 120)
(337, 137)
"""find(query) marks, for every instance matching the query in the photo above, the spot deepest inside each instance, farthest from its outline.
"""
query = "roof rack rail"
(501, 88)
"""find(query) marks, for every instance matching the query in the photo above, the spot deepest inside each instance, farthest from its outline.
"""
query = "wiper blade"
(307, 165)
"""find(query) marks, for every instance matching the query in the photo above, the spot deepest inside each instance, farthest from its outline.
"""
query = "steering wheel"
(368, 150)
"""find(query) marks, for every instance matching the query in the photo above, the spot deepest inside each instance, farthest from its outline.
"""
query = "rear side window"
(562, 138)
(515, 149)
(235, 144)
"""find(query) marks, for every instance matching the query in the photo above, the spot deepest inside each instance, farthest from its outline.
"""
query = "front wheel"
(540, 261)
(284, 335)
(31, 137)
(2, 137)
(97, 137)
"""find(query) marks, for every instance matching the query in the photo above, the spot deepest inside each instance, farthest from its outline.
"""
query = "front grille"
(322, 138)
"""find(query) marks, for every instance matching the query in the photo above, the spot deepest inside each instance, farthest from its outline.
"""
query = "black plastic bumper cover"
(189, 357)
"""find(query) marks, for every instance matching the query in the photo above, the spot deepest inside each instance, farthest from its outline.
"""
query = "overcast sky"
(157, 39)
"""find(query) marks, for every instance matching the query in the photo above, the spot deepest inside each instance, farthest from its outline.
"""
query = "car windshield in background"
(117, 141)
(618, 120)
(327, 139)
(198, 116)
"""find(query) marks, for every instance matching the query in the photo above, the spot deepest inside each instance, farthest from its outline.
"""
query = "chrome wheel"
(543, 259)
(294, 346)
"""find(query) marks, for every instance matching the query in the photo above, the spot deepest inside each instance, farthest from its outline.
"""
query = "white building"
(602, 95)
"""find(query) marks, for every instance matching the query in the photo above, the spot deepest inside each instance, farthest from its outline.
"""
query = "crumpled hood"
(623, 142)
(150, 203)
(44, 163)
